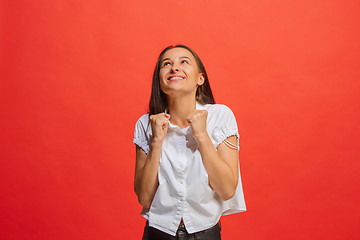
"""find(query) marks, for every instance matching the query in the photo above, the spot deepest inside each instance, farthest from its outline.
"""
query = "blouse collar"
(187, 129)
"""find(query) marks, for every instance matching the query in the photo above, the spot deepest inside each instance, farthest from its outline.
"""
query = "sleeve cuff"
(143, 144)
(220, 135)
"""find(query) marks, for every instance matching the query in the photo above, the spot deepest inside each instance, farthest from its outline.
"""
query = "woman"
(187, 169)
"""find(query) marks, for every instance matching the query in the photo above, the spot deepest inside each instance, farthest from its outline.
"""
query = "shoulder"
(144, 119)
(218, 109)
(142, 128)
(142, 133)
(220, 115)
(142, 122)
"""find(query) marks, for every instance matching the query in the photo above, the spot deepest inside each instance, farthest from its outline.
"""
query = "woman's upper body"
(184, 190)
(186, 157)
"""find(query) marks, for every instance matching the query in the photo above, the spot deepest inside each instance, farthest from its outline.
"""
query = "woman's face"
(179, 73)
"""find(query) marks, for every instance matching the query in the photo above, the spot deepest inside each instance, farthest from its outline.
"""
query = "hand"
(159, 126)
(197, 120)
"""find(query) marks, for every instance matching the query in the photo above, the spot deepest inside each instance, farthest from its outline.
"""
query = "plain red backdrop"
(76, 75)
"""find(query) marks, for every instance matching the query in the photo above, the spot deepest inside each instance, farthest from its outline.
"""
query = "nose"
(174, 68)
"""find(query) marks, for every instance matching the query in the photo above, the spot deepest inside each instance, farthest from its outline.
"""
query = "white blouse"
(184, 190)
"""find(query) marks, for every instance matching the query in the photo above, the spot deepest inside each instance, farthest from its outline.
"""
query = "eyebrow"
(169, 59)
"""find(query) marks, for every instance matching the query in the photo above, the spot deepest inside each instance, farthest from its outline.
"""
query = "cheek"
(162, 73)
(194, 77)
(191, 72)
(161, 81)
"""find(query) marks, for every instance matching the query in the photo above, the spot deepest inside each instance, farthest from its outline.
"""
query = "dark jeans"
(212, 233)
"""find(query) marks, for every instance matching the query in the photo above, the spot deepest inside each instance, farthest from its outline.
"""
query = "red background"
(76, 75)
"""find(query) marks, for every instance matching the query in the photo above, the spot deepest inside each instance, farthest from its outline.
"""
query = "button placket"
(181, 162)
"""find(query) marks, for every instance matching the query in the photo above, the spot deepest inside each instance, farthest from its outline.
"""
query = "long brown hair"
(158, 101)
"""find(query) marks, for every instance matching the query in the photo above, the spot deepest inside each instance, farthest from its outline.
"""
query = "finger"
(165, 124)
(162, 121)
(158, 117)
(191, 116)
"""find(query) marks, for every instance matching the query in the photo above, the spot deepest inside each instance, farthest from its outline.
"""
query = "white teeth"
(175, 78)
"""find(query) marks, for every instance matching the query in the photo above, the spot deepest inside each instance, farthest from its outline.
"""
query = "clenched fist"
(159, 126)
(197, 120)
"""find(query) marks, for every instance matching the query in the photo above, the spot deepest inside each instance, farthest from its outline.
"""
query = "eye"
(184, 61)
(165, 64)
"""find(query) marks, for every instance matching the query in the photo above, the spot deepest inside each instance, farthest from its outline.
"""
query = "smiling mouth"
(175, 77)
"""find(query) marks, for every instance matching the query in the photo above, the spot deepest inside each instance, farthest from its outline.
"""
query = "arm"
(221, 165)
(146, 169)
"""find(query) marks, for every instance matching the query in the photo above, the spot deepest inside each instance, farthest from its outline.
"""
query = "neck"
(180, 108)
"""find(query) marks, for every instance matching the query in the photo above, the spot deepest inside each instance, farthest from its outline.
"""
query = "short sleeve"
(226, 125)
(141, 133)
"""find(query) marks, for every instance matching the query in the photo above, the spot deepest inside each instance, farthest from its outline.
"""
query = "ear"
(201, 79)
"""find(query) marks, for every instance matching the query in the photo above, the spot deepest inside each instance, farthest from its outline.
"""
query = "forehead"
(178, 52)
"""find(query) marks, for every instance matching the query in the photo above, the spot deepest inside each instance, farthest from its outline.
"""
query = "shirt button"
(181, 181)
